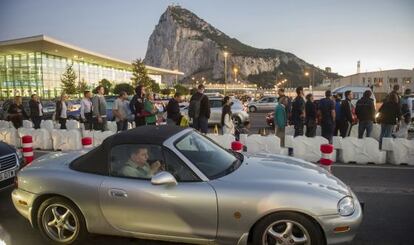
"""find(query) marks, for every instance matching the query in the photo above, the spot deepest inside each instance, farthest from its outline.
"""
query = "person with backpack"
(137, 106)
(199, 110)
(365, 111)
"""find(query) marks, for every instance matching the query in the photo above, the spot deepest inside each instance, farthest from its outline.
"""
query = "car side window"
(215, 103)
(271, 100)
(139, 161)
(175, 166)
(264, 100)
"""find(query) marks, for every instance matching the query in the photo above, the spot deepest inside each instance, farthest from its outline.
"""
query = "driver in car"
(137, 165)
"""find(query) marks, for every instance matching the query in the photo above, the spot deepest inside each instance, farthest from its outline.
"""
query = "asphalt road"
(388, 193)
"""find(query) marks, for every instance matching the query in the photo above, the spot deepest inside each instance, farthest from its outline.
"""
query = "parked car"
(266, 103)
(201, 194)
(49, 108)
(216, 104)
(11, 160)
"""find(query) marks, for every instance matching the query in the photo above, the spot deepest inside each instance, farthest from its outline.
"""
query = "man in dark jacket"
(346, 111)
(365, 112)
(173, 110)
(137, 106)
(328, 116)
(199, 110)
(298, 112)
(36, 111)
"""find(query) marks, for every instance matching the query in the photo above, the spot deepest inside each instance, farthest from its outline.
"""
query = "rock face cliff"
(181, 40)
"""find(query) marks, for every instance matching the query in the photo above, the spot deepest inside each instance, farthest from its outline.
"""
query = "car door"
(270, 105)
(188, 209)
(261, 104)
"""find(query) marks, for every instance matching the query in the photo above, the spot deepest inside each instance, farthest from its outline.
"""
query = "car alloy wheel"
(252, 109)
(60, 224)
(286, 232)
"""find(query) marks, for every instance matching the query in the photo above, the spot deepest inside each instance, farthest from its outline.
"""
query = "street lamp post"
(225, 71)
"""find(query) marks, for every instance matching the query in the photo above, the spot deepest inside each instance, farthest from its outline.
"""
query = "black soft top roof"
(97, 160)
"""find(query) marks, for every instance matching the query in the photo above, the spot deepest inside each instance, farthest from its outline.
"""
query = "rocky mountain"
(181, 40)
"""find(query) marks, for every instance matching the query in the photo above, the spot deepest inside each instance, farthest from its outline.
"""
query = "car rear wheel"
(287, 228)
(61, 222)
(252, 109)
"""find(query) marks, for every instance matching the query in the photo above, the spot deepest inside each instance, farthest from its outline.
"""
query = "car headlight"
(346, 206)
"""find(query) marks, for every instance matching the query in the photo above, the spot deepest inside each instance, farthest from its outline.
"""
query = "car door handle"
(118, 193)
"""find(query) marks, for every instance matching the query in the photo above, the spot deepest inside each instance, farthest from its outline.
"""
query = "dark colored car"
(11, 161)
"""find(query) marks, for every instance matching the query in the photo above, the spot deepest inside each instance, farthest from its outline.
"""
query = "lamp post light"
(225, 71)
(235, 70)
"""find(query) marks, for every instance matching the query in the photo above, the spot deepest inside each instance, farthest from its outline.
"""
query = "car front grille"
(7, 162)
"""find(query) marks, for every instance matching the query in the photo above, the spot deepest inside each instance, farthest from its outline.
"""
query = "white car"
(266, 103)
(238, 110)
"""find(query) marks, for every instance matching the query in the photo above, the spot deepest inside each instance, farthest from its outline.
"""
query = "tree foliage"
(82, 86)
(123, 87)
(106, 84)
(140, 75)
(68, 80)
(181, 89)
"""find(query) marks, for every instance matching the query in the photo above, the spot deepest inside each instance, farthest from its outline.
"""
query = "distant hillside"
(183, 41)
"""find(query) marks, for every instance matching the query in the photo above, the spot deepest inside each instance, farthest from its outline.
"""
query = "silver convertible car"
(173, 184)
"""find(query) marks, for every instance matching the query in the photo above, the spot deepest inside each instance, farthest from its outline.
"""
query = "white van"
(357, 91)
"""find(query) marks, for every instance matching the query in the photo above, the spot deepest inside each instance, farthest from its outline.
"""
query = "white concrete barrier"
(99, 136)
(27, 124)
(66, 140)
(256, 143)
(306, 148)
(42, 138)
(400, 151)
(223, 140)
(72, 124)
(5, 124)
(111, 125)
(361, 151)
(9, 135)
(47, 124)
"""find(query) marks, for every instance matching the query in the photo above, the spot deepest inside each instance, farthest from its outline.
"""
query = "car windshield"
(208, 157)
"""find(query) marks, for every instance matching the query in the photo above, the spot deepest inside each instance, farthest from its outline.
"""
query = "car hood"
(5, 149)
(276, 169)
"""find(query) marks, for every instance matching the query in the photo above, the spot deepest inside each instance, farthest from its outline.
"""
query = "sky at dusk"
(332, 33)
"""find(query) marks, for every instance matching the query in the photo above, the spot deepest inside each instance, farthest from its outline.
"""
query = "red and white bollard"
(87, 142)
(237, 146)
(326, 156)
(27, 144)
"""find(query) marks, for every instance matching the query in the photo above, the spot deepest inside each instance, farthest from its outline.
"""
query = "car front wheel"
(287, 228)
(252, 109)
(61, 222)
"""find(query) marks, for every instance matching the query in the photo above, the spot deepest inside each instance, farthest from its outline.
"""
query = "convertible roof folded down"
(97, 160)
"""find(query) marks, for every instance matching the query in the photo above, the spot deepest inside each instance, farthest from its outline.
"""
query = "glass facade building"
(35, 65)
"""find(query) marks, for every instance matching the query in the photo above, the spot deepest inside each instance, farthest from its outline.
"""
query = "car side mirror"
(163, 178)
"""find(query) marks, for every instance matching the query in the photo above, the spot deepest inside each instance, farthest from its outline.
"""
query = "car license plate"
(7, 175)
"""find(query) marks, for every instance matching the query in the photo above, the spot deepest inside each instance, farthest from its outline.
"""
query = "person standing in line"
(365, 112)
(199, 110)
(120, 112)
(36, 111)
(310, 111)
(16, 112)
(281, 93)
(173, 110)
(226, 117)
(395, 90)
(338, 114)
(347, 118)
(406, 108)
(298, 112)
(137, 106)
(62, 111)
(327, 112)
(390, 115)
(86, 110)
(280, 119)
(150, 109)
(99, 109)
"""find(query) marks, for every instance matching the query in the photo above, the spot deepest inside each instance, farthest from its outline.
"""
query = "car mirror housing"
(163, 178)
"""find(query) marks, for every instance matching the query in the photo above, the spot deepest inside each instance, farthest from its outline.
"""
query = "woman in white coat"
(226, 117)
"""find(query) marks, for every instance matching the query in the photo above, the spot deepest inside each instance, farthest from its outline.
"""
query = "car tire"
(252, 109)
(275, 227)
(237, 121)
(57, 229)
